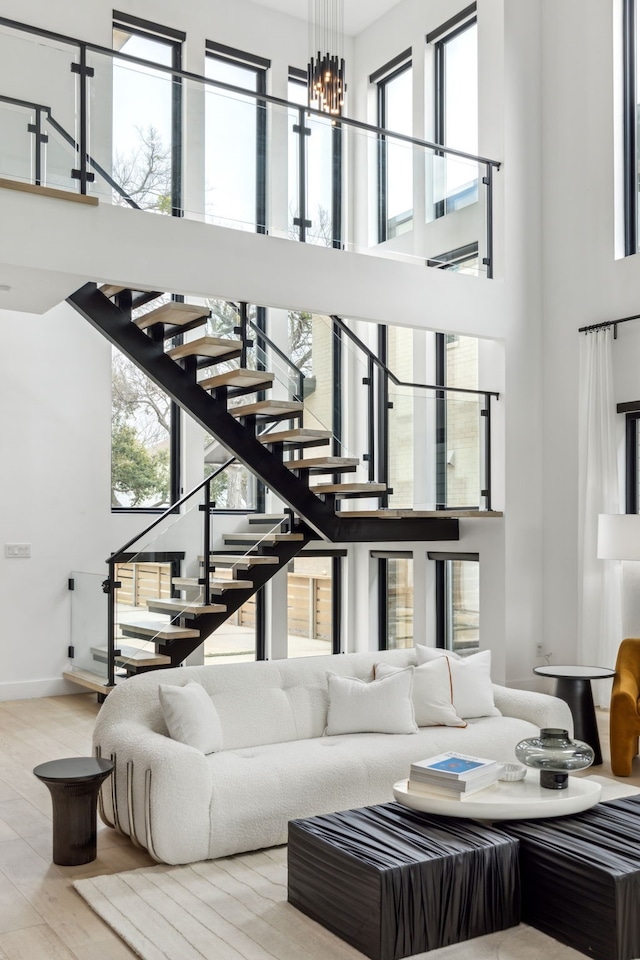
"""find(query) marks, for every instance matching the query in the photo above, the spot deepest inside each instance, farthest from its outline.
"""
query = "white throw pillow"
(471, 679)
(191, 716)
(432, 692)
(381, 706)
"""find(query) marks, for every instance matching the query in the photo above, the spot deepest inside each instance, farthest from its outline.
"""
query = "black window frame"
(441, 559)
(174, 39)
(383, 557)
(175, 439)
(260, 65)
(630, 126)
(631, 411)
(300, 77)
(382, 77)
(337, 571)
(440, 37)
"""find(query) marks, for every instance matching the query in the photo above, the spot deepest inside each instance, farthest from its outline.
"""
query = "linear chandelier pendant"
(326, 71)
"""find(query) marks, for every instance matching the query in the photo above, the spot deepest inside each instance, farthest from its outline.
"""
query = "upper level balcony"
(217, 149)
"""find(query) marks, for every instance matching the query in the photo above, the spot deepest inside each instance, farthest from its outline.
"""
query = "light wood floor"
(41, 915)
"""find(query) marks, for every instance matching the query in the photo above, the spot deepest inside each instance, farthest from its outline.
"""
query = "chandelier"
(325, 72)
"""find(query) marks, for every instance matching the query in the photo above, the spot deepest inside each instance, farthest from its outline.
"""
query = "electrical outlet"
(539, 650)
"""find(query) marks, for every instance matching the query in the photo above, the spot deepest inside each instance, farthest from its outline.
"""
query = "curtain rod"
(608, 323)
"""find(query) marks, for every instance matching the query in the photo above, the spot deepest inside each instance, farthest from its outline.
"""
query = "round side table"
(573, 684)
(74, 784)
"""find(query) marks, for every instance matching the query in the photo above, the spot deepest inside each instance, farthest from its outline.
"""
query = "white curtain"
(600, 586)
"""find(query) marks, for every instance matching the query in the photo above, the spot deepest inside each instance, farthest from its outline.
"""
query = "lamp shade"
(619, 536)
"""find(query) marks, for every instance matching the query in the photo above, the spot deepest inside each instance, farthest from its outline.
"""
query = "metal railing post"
(109, 587)
(84, 74)
(40, 139)
(488, 182)
(486, 413)
(207, 542)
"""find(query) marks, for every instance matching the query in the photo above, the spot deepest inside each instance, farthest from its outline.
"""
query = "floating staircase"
(275, 456)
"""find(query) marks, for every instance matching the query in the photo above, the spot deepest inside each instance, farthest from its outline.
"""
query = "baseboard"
(30, 689)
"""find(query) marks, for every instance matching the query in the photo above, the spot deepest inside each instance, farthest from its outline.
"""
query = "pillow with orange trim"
(432, 693)
(470, 678)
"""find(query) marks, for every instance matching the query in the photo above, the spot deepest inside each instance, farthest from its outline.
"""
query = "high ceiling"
(358, 14)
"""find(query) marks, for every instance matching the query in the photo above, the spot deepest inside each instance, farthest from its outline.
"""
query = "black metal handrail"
(261, 97)
(117, 554)
(376, 361)
(377, 454)
(280, 353)
(41, 108)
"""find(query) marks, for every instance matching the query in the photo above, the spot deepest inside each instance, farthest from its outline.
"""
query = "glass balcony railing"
(134, 132)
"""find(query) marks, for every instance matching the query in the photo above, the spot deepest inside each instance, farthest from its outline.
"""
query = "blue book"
(451, 766)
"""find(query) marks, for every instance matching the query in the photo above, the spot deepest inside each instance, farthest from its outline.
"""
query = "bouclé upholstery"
(275, 764)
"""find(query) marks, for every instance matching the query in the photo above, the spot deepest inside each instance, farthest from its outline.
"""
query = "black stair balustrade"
(93, 66)
(226, 577)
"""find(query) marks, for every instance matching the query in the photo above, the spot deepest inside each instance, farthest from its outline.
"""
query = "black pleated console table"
(393, 882)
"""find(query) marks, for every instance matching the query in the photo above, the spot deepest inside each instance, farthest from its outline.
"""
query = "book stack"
(454, 775)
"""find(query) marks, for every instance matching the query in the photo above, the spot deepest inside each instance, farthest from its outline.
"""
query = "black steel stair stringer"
(211, 414)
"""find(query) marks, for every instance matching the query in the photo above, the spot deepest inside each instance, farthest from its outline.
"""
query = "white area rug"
(236, 909)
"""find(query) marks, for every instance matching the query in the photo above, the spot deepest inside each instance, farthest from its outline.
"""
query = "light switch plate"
(17, 550)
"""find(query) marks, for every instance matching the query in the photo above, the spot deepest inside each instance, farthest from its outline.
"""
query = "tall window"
(456, 111)
(315, 171)
(457, 601)
(147, 115)
(395, 600)
(630, 125)
(458, 433)
(632, 455)
(313, 605)
(145, 437)
(395, 157)
(235, 144)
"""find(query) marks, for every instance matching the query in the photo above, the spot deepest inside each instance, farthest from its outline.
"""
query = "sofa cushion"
(471, 680)
(432, 693)
(378, 706)
(256, 791)
(191, 716)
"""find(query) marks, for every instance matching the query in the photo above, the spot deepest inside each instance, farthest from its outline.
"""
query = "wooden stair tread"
(137, 655)
(372, 489)
(216, 584)
(111, 289)
(173, 313)
(301, 437)
(238, 560)
(272, 518)
(270, 409)
(186, 606)
(214, 347)
(153, 628)
(87, 679)
(261, 538)
(258, 379)
(323, 463)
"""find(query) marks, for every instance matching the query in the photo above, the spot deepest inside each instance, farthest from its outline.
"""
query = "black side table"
(573, 685)
(74, 784)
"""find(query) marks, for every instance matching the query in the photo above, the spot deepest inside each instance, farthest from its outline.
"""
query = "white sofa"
(275, 765)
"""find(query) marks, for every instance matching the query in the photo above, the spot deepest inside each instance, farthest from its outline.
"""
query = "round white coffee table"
(507, 800)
